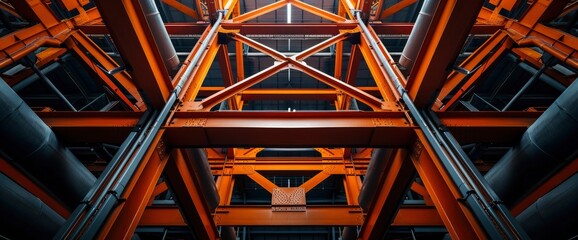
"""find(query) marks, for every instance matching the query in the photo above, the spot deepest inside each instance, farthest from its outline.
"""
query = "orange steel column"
(126, 22)
(123, 220)
(483, 58)
(93, 57)
(445, 38)
(459, 221)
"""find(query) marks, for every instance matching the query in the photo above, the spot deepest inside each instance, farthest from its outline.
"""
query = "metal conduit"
(33, 147)
(24, 216)
(87, 219)
(160, 34)
(547, 144)
(497, 223)
(418, 33)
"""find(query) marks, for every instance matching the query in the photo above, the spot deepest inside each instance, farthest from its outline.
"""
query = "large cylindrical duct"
(376, 168)
(160, 34)
(418, 34)
(548, 143)
(553, 216)
(33, 147)
(24, 216)
(201, 167)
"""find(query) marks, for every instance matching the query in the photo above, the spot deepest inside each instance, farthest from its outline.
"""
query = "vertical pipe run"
(418, 33)
(160, 34)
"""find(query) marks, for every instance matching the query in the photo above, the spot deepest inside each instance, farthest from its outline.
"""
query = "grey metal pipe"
(548, 143)
(200, 165)
(377, 164)
(34, 77)
(32, 146)
(553, 216)
(50, 84)
(349, 233)
(24, 216)
(529, 83)
(228, 233)
(160, 34)
(418, 33)
(543, 77)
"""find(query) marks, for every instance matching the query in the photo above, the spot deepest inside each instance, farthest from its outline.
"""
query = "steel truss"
(167, 115)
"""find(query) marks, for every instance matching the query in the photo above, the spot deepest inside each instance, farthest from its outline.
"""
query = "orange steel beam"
(159, 188)
(551, 183)
(188, 28)
(320, 46)
(184, 9)
(7, 7)
(249, 129)
(408, 216)
(226, 71)
(260, 47)
(36, 11)
(352, 185)
(303, 94)
(91, 127)
(225, 184)
(378, 72)
(131, 34)
(260, 11)
(317, 11)
(542, 11)
(565, 53)
(195, 80)
(24, 181)
(354, 92)
(394, 183)
(92, 56)
(264, 216)
(352, 68)
(507, 127)
(43, 58)
(276, 93)
(18, 44)
(459, 221)
(225, 65)
(483, 58)
(420, 189)
(209, 102)
(195, 211)
(445, 38)
(315, 180)
(261, 180)
(123, 220)
(245, 167)
(394, 9)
